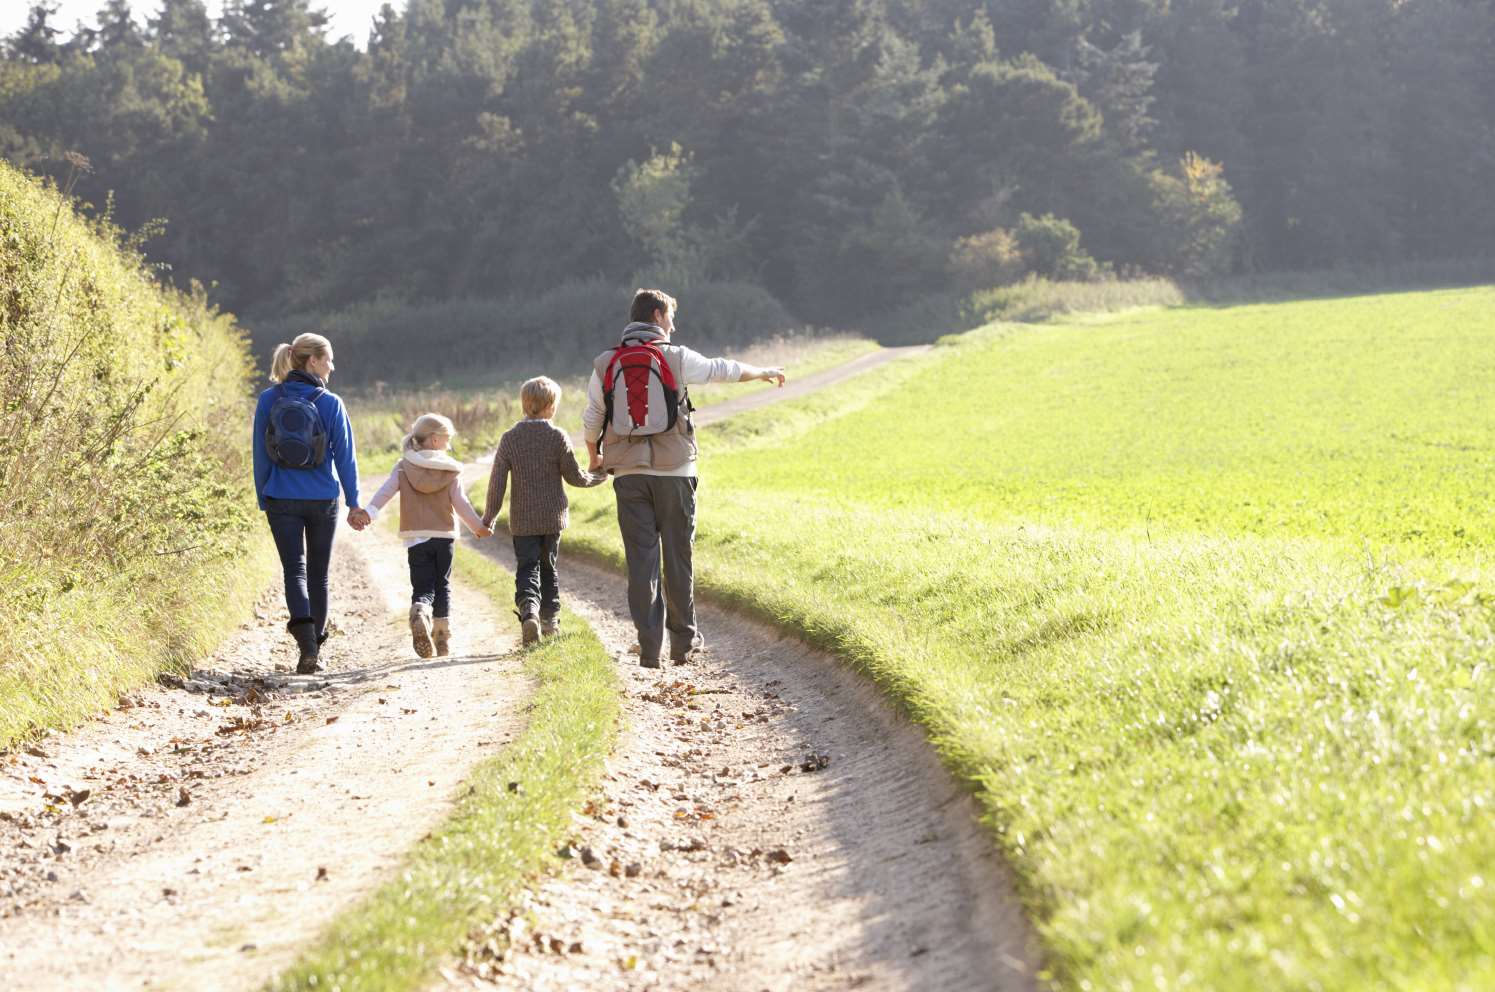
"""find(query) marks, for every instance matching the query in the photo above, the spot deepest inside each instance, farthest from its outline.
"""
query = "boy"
(538, 455)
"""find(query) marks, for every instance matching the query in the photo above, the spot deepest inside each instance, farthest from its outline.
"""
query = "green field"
(1197, 600)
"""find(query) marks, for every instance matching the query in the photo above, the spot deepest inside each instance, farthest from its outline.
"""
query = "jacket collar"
(299, 375)
(439, 461)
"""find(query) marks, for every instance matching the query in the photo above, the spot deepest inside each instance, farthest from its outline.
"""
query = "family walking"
(638, 429)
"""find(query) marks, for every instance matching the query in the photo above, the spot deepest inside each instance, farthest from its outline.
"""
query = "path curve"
(767, 821)
(795, 388)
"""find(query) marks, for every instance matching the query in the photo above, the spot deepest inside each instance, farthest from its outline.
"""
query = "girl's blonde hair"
(538, 395)
(296, 354)
(425, 425)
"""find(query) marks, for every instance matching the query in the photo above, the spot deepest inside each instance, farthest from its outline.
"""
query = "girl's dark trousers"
(431, 574)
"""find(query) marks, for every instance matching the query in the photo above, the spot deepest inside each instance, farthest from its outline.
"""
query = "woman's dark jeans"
(536, 587)
(303, 530)
(431, 574)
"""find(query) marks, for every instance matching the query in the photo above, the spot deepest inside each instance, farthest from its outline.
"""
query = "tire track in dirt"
(223, 828)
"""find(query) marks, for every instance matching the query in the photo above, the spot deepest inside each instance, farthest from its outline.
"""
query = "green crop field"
(1198, 600)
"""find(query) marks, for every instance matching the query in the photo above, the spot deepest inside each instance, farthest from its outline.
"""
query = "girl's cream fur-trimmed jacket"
(429, 484)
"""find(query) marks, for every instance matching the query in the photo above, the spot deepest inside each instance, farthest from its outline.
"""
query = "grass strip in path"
(503, 831)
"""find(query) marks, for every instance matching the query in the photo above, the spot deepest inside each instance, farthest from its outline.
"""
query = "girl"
(303, 453)
(428, 481)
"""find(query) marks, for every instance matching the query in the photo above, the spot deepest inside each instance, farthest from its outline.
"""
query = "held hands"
(358, 518)
(769, 375)
(482, 532)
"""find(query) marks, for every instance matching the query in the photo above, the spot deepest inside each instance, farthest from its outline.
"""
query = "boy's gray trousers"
(655, 511)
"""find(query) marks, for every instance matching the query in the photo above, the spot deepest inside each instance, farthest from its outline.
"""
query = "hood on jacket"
(640, 331)
(429, 471)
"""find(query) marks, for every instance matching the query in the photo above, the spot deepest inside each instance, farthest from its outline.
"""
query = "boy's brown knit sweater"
(538, 454)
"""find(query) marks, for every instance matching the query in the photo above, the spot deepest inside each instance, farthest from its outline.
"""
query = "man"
(654, 477)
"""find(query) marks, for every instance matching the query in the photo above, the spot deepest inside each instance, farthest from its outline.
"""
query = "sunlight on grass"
(1197, 601)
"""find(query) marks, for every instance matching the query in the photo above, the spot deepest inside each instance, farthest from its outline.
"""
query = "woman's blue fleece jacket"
(340, 465)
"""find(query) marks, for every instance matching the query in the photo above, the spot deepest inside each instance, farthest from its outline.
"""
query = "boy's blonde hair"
(296, 354)
(539, 394)
(425, 425)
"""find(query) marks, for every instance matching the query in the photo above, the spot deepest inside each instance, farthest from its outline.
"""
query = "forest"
(776, 162)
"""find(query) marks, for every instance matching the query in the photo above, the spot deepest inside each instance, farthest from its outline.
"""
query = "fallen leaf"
(183, 797)
(77, 798)
(37, 751)
(632, 871)
(779, 856)
(321, 874)
(269, 819)
(814, 762)
(332, 719)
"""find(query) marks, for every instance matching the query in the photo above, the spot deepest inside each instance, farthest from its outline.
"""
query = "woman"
(303, 451)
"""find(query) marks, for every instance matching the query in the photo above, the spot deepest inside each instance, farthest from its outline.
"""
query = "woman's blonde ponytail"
(296, 354)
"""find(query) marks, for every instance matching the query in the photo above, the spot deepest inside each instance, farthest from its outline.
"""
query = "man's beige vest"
(425, 507)
(665, 452)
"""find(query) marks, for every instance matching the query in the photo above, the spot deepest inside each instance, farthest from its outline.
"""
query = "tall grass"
(123, 463)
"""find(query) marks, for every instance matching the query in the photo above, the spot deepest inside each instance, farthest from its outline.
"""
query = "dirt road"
(766, 822)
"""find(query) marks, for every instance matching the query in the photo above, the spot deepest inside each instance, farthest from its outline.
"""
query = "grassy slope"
(1149, 583)
(486, 853)
(123, 409)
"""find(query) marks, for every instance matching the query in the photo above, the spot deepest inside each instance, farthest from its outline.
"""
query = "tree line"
(846, 157)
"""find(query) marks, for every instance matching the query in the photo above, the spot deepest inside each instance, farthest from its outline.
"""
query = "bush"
(980, 261)
(1051, 248)
(1199, 216)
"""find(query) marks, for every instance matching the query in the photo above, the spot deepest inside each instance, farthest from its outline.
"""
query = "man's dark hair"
(646, 301)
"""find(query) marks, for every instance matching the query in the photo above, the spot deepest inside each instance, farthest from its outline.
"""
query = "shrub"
(1199, 217)
(1051, 248)
(980, 261)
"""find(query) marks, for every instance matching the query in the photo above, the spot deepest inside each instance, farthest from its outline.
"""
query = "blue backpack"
(296, 437)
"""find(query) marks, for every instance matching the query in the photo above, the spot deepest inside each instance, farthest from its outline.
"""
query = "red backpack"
(650, 396)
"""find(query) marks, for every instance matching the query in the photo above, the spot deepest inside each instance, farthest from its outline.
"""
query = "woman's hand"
(358, 518)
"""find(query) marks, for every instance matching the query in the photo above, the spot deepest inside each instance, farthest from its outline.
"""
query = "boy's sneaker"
(550, 626)
(441, 636)
(648, 662)
(420, 628)
(529, 629)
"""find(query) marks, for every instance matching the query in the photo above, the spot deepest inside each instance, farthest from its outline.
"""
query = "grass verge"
(1197, 604)
(78, 653)
(485, 854)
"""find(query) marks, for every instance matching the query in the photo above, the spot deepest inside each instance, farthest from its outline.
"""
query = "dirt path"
(199, 837)
(767, 822)
(795, 388)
